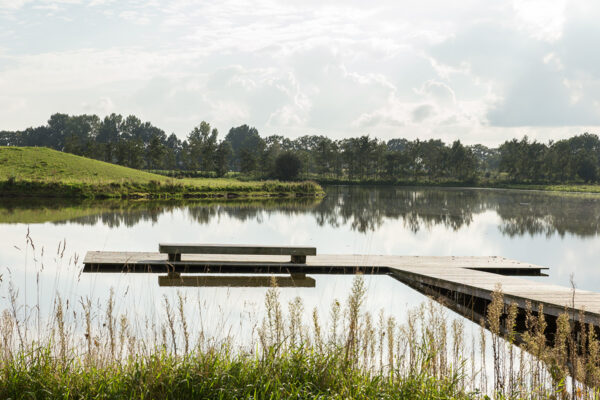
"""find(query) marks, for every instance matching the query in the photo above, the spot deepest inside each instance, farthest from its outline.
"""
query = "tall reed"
(100, 352)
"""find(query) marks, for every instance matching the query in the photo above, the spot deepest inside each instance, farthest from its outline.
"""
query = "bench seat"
(175, 250)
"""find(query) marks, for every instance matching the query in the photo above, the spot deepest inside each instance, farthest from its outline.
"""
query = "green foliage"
(571, 160)
(202, 144)
(248, 161)
(297, 373)
(41, 171)
(287, 166)
(246, 145)
(130, 142)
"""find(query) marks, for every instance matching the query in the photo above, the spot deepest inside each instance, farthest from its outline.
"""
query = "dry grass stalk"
(296, 309)
(355, 302)
(494, 315)
(511, 323)
(110, 323)
(183, 321)
(334, 314)
(569, 368)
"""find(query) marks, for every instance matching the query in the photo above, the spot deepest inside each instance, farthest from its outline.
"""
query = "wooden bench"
(298, 254)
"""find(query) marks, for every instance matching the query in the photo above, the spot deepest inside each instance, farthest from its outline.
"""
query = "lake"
(44, 242)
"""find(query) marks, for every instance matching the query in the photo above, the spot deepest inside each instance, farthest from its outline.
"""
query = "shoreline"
(154, 191)
(550, 187)
(265, 190)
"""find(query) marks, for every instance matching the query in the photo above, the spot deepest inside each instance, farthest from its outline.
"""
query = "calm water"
(559, 231)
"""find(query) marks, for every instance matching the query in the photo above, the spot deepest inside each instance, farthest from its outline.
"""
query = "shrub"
(287, 166)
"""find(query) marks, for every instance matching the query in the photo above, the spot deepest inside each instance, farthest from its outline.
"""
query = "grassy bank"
(572, 188)
(42, 172)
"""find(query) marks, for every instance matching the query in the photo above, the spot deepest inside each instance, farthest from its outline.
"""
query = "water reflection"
(114, 214)
(363, 209)
(237, 281)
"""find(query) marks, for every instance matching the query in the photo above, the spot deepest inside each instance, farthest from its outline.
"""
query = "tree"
(434, 156)
(488, 159)
(462, 162)
(324, 156)
(202, 146)
(222, 156)
(269, 155)
(156, 153)
(79, 132)
(174, 149)
(248, 160)
(587, 167)
(244, 137)
(288, 166)
(108, 136)
(57, 127)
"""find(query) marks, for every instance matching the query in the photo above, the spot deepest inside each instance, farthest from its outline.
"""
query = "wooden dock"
(468, 282)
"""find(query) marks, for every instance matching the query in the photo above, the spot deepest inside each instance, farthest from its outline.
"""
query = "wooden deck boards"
(555, 299)
(324, 260)
(322, 264)
(473, 276)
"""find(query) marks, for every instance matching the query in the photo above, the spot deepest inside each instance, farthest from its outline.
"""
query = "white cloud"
(17, 4)
(476, 70)
(554, 60)
(12, 4)
(542, 19)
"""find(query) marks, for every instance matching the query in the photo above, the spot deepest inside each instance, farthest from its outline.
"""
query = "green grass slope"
(37, 171)
(40, 163)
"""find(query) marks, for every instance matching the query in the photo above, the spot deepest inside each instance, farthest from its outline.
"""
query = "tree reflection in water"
(363, 209)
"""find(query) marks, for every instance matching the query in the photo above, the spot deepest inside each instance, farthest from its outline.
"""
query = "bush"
(287, 166)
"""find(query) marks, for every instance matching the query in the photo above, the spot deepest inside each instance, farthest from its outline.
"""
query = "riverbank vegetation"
(86, 349)
(91, 353)
(30, 171)
(130, 142)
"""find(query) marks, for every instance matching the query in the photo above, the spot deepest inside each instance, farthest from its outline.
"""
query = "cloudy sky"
(480, 71)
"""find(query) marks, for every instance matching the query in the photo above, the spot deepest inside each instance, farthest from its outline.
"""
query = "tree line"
(130, 142)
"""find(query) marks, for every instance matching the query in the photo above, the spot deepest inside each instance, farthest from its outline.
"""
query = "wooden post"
(298, 259)
(174, 257)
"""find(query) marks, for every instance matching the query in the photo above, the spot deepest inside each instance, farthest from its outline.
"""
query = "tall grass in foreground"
(85, 352)
(355, 355)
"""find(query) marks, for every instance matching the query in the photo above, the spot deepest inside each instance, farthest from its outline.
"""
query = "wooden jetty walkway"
(466, 283)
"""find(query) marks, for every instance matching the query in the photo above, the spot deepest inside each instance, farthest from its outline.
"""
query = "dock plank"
(473, 276)
(554, 298)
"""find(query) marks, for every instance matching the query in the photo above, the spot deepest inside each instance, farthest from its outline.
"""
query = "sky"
(478, 71)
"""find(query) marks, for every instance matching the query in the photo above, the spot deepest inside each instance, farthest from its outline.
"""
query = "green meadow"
(37, 171)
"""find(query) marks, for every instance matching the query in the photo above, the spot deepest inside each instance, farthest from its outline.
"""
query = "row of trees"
(129, 141)
(567, 160)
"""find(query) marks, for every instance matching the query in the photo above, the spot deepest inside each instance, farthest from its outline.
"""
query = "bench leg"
(175, 257)
(298, 259)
